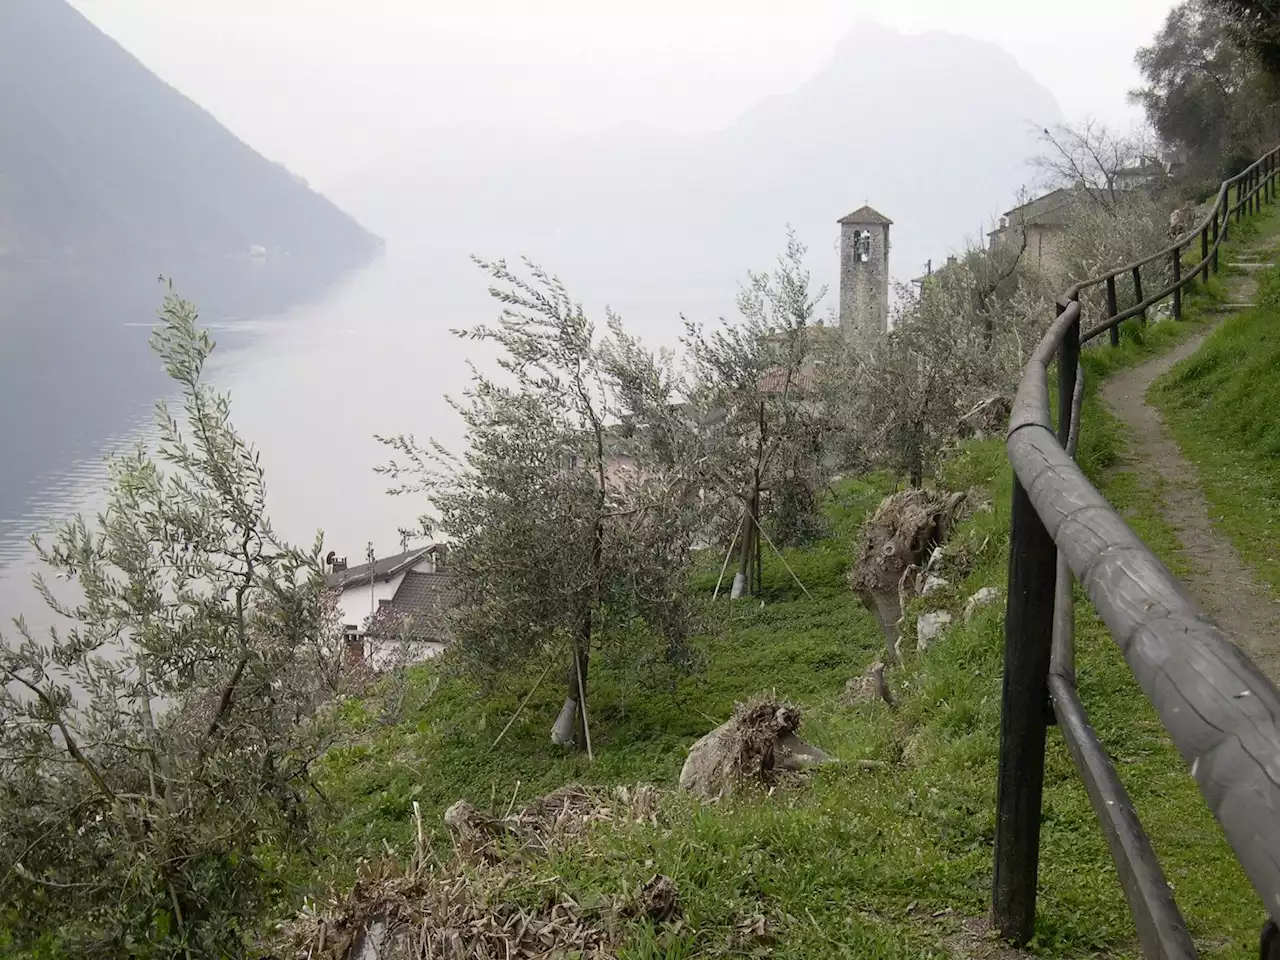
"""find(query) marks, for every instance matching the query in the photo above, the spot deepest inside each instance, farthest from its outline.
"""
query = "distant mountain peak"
(101, 158)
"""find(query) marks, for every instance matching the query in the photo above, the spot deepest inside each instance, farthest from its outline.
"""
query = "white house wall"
(355, 605)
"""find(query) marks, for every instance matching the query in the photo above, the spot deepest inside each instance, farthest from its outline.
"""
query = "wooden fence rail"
(1219, 710)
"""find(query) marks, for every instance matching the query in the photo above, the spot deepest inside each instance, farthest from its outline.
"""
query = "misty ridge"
(932, 129)
(101, 160)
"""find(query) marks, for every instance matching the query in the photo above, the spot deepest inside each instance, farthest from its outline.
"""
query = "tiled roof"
(865, 214)
(383, 569)
(774, 380)
(422, 597)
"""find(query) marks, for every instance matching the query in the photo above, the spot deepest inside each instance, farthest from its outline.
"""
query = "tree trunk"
(758, 579)
(746, 550)
(915, 455)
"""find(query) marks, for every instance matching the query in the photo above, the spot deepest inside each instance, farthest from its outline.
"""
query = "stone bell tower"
(864, 275)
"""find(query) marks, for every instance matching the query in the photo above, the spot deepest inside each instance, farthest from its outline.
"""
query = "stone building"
(1044, 221)
(864, 274)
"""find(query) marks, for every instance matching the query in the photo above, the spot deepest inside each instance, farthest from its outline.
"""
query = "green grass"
(884, 862)
(1221, 406)
(855, 863)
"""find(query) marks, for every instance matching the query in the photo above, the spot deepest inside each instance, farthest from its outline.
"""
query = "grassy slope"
(1221, 405)
(858, 863)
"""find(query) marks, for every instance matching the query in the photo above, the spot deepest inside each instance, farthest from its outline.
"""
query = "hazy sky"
(327, 85)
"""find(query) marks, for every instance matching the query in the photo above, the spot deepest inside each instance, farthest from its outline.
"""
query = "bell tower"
(864, 275)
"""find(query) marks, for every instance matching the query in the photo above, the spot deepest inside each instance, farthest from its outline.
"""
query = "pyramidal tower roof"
(866, 215)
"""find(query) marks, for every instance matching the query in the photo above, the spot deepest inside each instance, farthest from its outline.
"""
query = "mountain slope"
(933, 129)
(99, 156)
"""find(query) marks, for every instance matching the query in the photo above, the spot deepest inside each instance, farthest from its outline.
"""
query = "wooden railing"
(1217, 707)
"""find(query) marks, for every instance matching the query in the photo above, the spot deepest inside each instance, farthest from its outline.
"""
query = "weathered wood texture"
(1024, 719)
(1064, 626)
(1220, 711)
(1161, 929)
(1177, 282)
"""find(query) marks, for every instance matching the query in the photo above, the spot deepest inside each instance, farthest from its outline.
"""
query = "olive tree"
(157, 746)
(946, 369)
(753, 387)
(565, 537)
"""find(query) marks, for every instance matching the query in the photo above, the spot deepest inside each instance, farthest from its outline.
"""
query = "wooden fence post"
(1204, 254)
(1024, 714)
(1115, 333)
(1137, 291)
(1177, 280)
(1215, 241)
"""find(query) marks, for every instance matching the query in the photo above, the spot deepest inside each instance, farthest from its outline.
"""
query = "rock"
(759, 739)
(984, 597)
(794, 754)
(373, 943)
(930, 626)
(934, 585)
(905, 528)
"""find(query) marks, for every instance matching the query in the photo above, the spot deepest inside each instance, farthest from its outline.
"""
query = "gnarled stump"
(900, 534)
(759, 739)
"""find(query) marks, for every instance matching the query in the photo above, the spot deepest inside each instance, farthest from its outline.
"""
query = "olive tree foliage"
(1205, 93)
(1099, 241)
(751, 384)
(946, 369)
(557, 550)
(157, 744)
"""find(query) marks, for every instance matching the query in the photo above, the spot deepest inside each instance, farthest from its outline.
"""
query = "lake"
(316, 365)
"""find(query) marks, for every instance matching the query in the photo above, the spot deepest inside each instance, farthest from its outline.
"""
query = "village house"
(1046, 218)
(394, 606)
(1044, 221)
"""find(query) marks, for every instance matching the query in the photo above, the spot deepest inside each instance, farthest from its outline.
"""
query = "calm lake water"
(314, 368)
